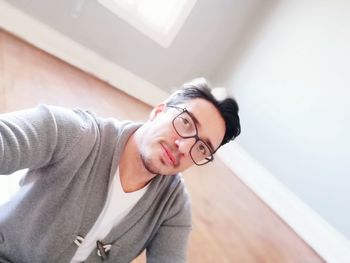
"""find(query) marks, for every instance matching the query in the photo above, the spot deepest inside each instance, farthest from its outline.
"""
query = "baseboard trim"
(311, 227)
(55, 43)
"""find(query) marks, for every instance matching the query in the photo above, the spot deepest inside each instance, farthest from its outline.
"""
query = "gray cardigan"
(72, 156)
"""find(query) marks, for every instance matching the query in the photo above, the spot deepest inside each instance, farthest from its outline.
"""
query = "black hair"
(228, 107)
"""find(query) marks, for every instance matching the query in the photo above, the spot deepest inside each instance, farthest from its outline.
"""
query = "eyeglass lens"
(185, 127)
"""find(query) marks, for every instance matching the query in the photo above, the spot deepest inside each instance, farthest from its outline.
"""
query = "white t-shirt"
(117, 206)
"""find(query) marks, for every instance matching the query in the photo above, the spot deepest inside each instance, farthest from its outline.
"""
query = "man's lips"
(169, 154)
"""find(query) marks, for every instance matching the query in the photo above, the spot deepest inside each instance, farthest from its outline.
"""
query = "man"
(103, 190)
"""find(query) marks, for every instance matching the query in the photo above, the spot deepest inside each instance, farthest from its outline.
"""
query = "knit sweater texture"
(71, 156)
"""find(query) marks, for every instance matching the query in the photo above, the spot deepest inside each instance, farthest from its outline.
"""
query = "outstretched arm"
(36, 137)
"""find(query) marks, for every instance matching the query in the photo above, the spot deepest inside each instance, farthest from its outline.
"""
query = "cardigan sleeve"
(169, 245)
(37, 137)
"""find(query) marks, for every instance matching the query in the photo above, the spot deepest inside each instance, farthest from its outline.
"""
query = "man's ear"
(156, 110)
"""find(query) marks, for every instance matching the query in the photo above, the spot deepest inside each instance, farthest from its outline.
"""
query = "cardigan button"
(103, 250)
(2, 238)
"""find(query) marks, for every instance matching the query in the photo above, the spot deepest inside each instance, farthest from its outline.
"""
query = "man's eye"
(185, 121)
(202, 149)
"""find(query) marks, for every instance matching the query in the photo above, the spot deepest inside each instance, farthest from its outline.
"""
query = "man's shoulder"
(175, 185)
(178, 198)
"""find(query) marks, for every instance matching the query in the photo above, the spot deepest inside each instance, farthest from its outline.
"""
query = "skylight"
(160, 20)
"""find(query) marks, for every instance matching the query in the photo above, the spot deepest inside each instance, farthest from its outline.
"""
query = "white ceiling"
(210, 33)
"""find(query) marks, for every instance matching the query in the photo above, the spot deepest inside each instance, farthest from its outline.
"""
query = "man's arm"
(36, 137)
(169, 245)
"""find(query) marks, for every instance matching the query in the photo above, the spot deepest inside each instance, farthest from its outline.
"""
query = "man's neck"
(133, 174)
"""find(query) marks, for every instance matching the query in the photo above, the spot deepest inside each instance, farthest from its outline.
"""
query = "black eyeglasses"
(186, 128)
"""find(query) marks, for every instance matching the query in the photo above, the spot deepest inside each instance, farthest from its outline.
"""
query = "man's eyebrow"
(207, 141)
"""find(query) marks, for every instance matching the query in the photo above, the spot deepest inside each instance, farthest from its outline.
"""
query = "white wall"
(292, 81)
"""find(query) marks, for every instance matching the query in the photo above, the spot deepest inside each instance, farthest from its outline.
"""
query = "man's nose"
(184, 145)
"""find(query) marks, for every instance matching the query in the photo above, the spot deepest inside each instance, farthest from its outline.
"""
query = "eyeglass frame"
(196, 136)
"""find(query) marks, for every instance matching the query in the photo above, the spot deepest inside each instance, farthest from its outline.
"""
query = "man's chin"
(149, 166)
(157, 167)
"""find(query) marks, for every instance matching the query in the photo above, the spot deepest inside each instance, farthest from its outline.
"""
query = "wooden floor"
(230, 224)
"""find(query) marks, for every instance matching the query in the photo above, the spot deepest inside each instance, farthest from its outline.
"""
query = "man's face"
(163, 150)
